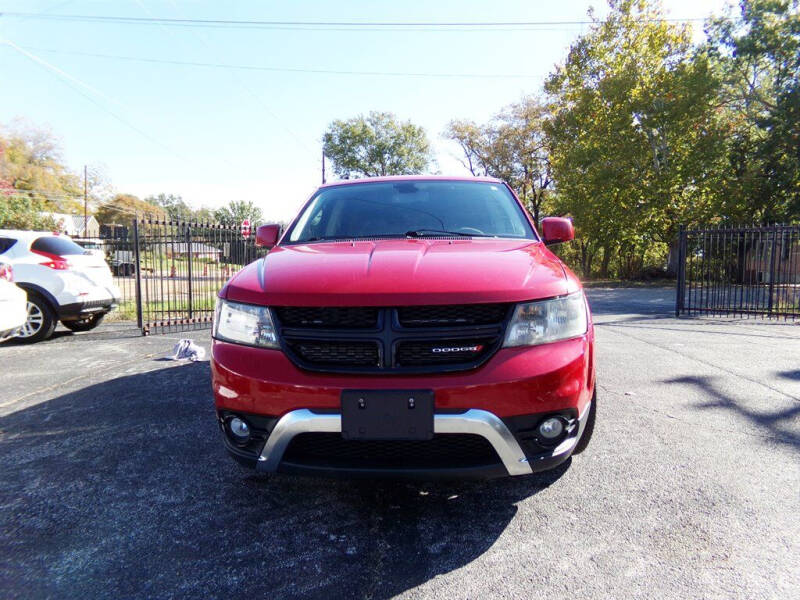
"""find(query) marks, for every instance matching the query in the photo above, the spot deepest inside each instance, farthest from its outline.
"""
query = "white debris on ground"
(187, 349)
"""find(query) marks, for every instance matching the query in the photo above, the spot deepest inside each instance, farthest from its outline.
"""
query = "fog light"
(239, 430)
(551, 428)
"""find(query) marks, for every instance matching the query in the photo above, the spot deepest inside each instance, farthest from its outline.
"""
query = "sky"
(215, 134)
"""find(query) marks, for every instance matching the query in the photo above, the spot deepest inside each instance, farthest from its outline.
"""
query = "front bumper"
(498, 403)
(513, 460)
(474, 421)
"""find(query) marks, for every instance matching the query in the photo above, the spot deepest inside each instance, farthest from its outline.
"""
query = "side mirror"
(556, 230)
(267, 235)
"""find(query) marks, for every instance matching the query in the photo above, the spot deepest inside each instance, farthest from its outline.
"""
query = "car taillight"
(58, 265)
(53, 261)
(6, 272)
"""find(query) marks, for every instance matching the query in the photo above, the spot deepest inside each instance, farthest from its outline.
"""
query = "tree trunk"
(605, 262)
(586, 260)
(672, 261)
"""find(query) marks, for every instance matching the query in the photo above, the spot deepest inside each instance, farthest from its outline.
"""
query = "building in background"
(75, 225)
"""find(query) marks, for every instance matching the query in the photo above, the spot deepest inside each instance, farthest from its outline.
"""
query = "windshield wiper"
(414, 233)
(440, 232)
(326, 238)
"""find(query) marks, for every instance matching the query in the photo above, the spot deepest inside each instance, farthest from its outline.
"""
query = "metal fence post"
(138, 260)
(771, 288)
(679, 293)
(189, 265)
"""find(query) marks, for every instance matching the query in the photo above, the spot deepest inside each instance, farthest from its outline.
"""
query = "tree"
(637, 140)
(31, 165)
(123, 208)
(513, 147)
(173, 205)
(758, 56)
(376, 145)
(177, 208)
(23, 212)
(237, 211)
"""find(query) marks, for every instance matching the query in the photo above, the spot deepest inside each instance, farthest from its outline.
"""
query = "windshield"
(412, 208)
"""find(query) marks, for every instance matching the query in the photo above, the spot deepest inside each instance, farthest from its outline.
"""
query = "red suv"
(407, 326)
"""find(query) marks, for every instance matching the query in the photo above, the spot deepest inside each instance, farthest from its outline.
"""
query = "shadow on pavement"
(794, 375)
(123, 489)
(119, 331)
(693, 325)
(773, 421)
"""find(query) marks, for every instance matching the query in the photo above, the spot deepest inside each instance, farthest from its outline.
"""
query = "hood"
(399, 272)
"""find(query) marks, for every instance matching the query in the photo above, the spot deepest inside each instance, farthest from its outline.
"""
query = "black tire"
(41, 320)
(85, 324)
(589, 429)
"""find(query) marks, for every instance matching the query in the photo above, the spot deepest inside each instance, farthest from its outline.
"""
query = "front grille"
(328, 317)
(323, 352)
(451, 315)
(441, 352)
(375, 340)
(443, 451)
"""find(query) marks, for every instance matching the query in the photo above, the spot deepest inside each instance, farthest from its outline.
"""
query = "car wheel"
(41, 321)
(589, 429)
(86, 324)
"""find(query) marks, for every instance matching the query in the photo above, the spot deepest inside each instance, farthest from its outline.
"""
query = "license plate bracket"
(387, 414)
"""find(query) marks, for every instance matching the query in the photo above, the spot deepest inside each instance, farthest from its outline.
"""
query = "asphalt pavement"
(115, 483)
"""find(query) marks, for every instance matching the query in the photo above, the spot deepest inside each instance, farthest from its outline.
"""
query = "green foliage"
(31, 167)
(123, 208)
(758, 58)
(376, 145)
(237, 211)
(23, 212)
(512, 147)
(173, 205)
(636, 138)
(176, 208)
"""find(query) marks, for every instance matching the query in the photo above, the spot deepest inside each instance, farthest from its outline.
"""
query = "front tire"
(85, 324)
(41, 321)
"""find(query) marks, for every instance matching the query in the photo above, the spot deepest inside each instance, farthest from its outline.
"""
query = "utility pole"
(85, 204)
(323, 166)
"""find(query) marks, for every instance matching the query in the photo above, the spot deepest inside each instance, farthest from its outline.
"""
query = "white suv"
(64, 282)
(12, 303)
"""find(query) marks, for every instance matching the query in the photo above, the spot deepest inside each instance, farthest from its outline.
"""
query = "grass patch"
(126, 311)
(621, 283)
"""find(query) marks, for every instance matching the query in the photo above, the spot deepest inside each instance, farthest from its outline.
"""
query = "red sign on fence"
(246, 228)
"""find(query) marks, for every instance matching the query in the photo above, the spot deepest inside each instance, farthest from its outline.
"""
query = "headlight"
(547, 321)
(244, 324)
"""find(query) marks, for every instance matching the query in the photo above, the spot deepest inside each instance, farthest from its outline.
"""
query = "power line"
(349, 25)
(285, 69)
(32, 194)
(264, 106)
(69, 80)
